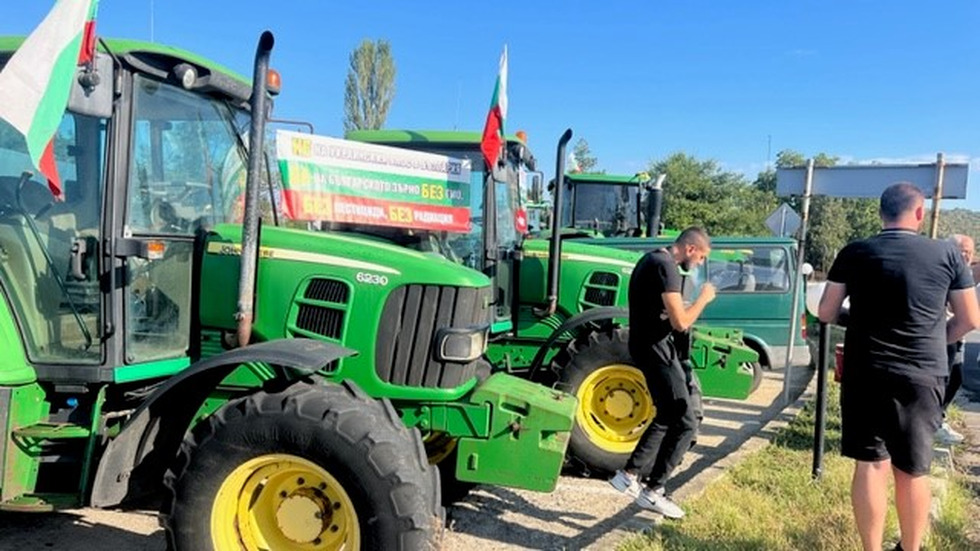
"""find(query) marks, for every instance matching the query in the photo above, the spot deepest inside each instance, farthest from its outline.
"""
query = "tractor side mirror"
(91, 90)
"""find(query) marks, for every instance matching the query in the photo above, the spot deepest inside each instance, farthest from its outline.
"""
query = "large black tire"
(756, 377)
(378, 463)
(581, 358)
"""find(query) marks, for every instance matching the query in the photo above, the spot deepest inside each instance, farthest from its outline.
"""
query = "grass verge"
(770, 502)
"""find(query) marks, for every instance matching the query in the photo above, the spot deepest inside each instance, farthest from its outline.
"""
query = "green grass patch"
(770, 502)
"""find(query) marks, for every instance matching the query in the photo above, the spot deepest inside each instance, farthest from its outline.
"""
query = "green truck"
(164, 340)
(561, 305)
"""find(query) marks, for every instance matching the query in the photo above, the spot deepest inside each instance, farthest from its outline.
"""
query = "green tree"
(370, 86)
(698, 192)
(587, 162)
(828, 231)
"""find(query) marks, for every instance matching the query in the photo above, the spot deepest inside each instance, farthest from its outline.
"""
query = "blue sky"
(896, 81)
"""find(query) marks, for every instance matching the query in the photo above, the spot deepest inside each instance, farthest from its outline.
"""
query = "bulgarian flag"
(35, 84)
(493, 130)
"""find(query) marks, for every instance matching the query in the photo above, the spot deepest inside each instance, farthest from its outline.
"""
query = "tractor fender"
(135, 461)
(589, 316)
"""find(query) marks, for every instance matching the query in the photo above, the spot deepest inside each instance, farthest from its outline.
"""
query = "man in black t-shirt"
(895, 374)
(657, 310)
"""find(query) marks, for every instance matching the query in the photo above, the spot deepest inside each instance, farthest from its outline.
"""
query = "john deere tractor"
(753, 274)
(561, 304)
(163, 341)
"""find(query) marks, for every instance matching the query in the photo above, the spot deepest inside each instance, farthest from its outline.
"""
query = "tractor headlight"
(460, 344)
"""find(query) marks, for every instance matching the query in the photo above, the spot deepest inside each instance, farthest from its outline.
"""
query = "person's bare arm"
(966, 314)
(831, 301)
(681, 317)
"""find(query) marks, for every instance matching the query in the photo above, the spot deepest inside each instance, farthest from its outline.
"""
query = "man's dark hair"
(694, 235)
(898, 199)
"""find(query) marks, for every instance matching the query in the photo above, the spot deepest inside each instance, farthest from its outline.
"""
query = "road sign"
(783, 221)
(871, 180)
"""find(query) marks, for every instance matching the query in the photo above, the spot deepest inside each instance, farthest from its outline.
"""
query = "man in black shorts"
(895, 375)
(657, 311)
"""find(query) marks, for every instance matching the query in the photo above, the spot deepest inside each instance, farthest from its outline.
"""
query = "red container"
(838, 361)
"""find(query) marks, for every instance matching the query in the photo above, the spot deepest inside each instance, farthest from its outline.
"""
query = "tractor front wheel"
(313, 467)
(614, 404)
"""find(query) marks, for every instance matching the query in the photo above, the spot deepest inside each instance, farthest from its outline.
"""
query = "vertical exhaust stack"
(655, 203)
(250, 228)
(554, 249)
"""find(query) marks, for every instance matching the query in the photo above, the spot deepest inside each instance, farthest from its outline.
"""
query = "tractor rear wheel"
(313, 467)
(614, 404)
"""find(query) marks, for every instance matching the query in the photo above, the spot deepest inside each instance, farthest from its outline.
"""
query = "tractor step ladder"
(39, 503)
(53, 431)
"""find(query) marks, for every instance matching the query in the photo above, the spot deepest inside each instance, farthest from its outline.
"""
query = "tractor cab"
(101, 276)
(604, 205)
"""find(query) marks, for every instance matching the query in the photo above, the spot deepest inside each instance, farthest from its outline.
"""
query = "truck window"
(749, 270)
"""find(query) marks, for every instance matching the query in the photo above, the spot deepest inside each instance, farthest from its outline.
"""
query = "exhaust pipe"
(554, 249)
(655, 203)
(250, 228)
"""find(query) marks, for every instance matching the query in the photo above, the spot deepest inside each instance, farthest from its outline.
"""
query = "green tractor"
(164, 341)
(753, 275)
(561, 305)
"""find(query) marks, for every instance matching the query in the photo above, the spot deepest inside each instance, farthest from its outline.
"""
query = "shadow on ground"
(67, 530)
(508, 519)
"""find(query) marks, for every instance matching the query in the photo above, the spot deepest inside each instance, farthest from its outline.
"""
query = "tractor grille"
(607, 279)
(328, 322)
(328, 290)
(322, 310)
(600, 297)
(601, 290)
(409, 321)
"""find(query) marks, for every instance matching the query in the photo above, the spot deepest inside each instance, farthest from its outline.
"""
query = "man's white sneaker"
(656, 501)
(627, 483)
(946, 435)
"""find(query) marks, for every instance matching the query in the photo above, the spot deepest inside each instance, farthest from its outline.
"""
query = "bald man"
(954, 351)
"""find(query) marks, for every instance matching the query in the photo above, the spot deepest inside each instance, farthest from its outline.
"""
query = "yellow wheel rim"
(280, 501)
(438, 446)
(614, 407)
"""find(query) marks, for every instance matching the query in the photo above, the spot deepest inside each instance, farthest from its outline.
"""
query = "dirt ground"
(579, 514)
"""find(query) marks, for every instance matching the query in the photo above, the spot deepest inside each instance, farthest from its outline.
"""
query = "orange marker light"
(273, 82)
(155, 250)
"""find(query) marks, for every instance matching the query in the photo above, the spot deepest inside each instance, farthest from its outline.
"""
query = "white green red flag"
(36, 82)
(493, 130)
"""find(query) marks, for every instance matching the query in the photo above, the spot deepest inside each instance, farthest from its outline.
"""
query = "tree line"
(697, 191)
